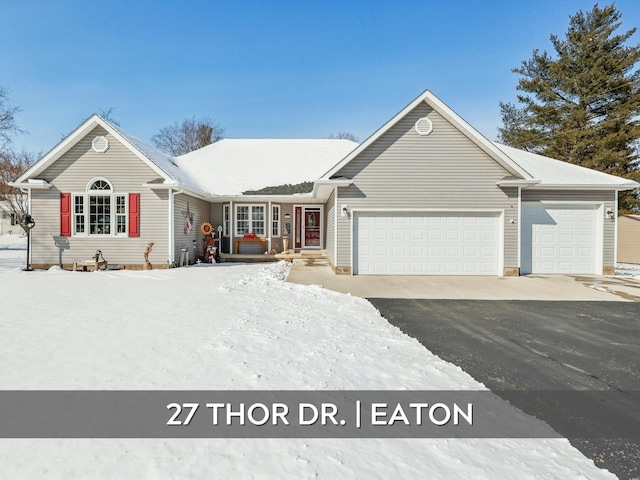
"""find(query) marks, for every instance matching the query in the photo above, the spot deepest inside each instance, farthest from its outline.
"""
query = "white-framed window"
(275, 220)
(225, 220)
(99, 211)
(250, 219)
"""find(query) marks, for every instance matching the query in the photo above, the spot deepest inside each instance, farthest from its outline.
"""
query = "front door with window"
(308, 227)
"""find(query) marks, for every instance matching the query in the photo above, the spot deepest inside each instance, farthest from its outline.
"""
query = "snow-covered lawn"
(231, 327)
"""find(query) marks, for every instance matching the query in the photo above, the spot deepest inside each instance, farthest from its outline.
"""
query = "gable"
(80, 163)
(402, 159)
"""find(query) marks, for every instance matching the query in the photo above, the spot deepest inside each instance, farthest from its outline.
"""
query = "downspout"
(269, 225)
(30, 250)
(232, 216)
(519, 229)
(615, 232)
(335, 227)
(171, 242)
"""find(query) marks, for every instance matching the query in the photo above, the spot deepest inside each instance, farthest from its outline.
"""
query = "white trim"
(302, 228)
(615, 231)
(226, 227)
(100, 138)
(270, 226)
(430, 210)
(96, 179)
(457, 121)
(599, 266)
(335, 227)
(597, 206)
(171, 209)
(74, 137)
(250, 219)
(279, 207)
(560, 202)
(86, 207)
(231, 228)
(501, 248)
(585, 186)
(519, 229)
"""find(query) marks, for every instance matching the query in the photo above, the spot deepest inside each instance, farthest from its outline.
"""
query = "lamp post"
(27, 223)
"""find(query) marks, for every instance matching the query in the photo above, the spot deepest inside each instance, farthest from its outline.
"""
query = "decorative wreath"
(206, 228)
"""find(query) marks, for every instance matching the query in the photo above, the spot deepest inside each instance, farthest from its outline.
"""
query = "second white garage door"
(559, 239)
(393, 243)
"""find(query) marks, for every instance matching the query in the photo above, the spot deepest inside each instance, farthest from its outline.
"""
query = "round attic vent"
(100, 144)
(424, 126)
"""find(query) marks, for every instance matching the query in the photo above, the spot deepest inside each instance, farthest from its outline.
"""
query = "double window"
(250, 219)
(100, 211)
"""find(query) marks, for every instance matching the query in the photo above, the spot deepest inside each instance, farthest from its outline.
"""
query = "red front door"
(311, 227)
(308, 227)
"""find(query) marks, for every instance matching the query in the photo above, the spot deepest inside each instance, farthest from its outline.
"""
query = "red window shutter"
(134, 214)
(65, 214)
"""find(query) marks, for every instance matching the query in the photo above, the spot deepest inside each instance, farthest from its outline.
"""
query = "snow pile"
(627, 270)
(232, 327)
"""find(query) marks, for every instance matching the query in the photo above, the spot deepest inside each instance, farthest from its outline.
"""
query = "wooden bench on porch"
(238, 240)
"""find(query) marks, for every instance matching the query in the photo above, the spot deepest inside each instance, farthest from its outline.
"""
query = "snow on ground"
(628, 270)
(231, 327)
(13, 252)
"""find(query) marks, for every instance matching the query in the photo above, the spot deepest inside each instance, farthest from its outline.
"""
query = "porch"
(312, 257)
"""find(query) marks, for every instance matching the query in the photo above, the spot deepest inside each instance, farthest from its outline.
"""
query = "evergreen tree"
(582, 105)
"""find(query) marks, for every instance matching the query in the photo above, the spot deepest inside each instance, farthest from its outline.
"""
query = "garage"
(560, 239)
(419, 243)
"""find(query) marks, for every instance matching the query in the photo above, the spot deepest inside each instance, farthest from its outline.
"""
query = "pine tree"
(582, 105)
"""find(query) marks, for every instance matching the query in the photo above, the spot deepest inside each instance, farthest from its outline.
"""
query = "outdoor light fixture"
(609, 214)
(344, 211)
(27, 223)
(287, 215)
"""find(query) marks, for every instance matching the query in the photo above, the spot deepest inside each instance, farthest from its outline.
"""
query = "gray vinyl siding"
(71, 173)
(330, 210)
(608, 198)
(200, 209)
(287, 209)
(444, 170)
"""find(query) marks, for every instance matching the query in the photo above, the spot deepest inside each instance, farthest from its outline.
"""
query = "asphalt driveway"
(545, 346)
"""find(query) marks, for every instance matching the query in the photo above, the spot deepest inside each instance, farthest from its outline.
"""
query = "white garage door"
(559, 239)
(426, 244)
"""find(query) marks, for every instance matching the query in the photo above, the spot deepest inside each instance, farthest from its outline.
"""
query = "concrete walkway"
(530, 287)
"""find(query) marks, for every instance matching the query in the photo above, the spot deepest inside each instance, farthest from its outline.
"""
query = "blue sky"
(268, 69)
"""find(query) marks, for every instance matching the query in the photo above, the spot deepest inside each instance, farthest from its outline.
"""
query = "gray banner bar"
(305, 414)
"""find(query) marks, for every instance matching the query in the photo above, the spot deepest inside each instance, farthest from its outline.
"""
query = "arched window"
(99, 184)
(100, 211)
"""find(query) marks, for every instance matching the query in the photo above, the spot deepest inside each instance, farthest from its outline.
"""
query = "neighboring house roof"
(553, 173)
(233, 166)
(633, 217)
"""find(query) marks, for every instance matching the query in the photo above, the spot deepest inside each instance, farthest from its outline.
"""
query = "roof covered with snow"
(556, 173)
(164, 162)
(233, 166)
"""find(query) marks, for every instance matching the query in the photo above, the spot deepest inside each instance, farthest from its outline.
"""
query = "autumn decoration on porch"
(206, 228)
